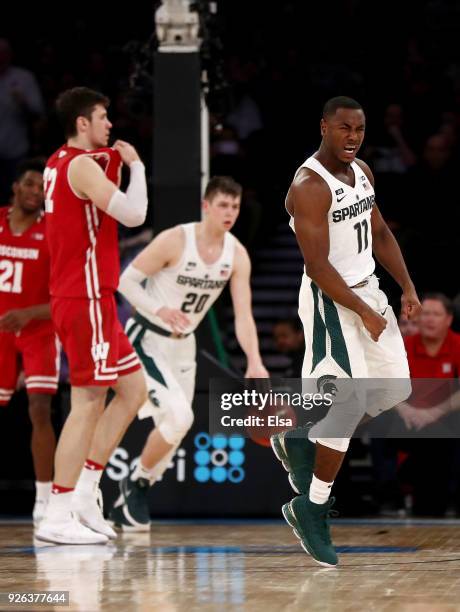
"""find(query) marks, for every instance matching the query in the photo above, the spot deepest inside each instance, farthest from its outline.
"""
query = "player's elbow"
(128, 210)
(123, 286)
(135, 219)
(380, 236)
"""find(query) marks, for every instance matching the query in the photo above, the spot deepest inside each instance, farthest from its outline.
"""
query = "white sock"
(88, 483)
(43, 490)
(140, 471)
(60, 503)
(319, 490)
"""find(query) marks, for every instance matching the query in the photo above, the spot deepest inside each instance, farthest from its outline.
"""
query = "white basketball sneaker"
(64, 528)
(39, 510)
(88, 509)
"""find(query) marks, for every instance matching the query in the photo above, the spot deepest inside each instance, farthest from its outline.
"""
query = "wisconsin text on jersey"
(9, 251)
(200, 283)
(353, 210)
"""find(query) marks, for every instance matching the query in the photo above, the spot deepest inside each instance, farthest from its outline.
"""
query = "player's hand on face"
(374, 323)
(410, 304)
(127, 152)
(175, 318)
(14, 320)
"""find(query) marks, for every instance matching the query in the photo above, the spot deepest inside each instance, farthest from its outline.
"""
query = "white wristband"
(130, 208)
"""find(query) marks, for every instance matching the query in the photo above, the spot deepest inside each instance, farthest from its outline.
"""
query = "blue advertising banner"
(209, 475)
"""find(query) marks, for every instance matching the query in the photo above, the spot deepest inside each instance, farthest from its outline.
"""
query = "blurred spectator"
(432, 212)
(449, 129)
(20, 102)
(227, 155)
(247, 226)
(245, 117)
(289, 340)
(391, 153)
(434, 352)
(407, 327)
(132, 242)
(97, 74)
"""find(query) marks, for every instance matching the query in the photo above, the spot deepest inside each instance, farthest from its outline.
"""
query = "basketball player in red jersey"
(26, 332)
(83, 204)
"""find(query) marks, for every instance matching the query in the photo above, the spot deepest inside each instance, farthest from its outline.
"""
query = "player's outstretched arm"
(309, 199)
(88, 180)
(245, 327)
(164, 250)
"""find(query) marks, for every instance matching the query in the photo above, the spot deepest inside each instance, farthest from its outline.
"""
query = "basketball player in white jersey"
(350, 329)
(185, 269)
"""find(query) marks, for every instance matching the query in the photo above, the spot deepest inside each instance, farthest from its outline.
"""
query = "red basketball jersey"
(24, 268)
(82, 239)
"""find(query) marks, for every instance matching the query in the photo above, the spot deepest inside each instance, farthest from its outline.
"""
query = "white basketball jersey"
(192, 285)
(349, 219)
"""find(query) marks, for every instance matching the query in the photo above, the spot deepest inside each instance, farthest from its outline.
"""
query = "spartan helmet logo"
(324, 384)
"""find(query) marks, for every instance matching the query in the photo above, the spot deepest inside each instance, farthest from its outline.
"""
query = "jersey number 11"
(362, 228)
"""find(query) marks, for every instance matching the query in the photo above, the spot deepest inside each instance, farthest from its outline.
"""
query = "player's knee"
(88, 399)
(183, 420)
(404, 392)
(396, 393)
(40, 410)
(176, 424)
(186, 419)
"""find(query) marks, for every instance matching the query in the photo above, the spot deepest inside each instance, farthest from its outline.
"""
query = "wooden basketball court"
(239, 565)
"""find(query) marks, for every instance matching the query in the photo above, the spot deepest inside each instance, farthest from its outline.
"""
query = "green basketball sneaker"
(310, 523)
(131, 510)
(297, 454)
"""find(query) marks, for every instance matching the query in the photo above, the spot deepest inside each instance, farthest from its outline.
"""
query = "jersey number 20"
(190, 299)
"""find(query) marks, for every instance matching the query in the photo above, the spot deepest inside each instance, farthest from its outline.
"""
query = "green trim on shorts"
(130, 327)
(147, 361)
(319, 331)
(339, 351)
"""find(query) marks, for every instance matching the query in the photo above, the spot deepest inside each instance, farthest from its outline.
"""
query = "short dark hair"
(334, 104)
(77, 102)
(222, 184)
(440, 297)
(34, 164)
(293, 322)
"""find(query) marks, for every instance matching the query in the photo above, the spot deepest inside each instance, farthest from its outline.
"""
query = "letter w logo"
(100, 351)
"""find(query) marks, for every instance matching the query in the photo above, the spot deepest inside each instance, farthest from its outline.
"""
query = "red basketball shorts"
(37, 353)
(97, 348)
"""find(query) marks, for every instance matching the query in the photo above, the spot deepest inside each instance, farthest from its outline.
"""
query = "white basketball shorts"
(338, 345)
